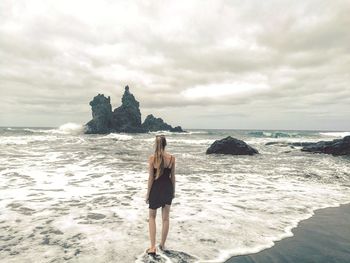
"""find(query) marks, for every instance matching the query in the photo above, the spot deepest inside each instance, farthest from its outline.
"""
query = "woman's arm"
(150, 177)
(173, 176)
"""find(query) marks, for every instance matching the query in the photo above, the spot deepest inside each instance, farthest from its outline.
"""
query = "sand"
(323, 238)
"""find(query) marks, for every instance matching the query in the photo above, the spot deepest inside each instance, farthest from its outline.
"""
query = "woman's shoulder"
(167, 156)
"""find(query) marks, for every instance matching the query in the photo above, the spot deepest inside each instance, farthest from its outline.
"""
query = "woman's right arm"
(150, 177)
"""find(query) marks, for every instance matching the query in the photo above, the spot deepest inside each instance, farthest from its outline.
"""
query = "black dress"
(162, 190)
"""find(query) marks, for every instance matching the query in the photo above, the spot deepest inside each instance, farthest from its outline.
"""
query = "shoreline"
(322, 238)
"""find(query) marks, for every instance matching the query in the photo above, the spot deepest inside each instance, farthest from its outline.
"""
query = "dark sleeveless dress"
(161, 193)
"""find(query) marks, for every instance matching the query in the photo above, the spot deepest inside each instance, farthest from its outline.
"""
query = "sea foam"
(335, 134)
(85, 193)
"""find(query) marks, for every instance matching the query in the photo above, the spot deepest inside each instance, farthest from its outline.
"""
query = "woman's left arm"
(150, 177)
(173, 176)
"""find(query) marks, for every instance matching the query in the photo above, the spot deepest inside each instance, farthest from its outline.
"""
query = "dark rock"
(152, 123)
(232, 146)
(335, 147)
(153, 259)
(300, 144)
(101, 115)
(126, 118)
(179, 256)
(177, 129)
(168, 255)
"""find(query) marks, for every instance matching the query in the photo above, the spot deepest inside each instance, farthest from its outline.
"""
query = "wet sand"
(323, 238)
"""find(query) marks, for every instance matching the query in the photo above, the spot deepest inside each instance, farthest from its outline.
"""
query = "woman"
(160, 191)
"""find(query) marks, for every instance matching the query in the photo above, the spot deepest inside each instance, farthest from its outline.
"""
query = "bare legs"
(165, 224)
(152, 226)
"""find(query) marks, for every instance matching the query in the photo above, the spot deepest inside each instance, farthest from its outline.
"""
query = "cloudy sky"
(200, 64)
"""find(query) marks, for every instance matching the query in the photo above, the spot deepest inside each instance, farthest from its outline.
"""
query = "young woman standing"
(160, 190)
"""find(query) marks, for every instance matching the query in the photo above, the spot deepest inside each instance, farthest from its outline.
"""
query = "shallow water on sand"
(66, 196)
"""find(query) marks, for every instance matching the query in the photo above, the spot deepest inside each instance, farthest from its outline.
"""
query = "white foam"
(191, 141)
(67, 128)
(23, 140)
(117, 136)
(184, 141)
(335, 134)
(227, 205)
(195, 132)
(13, 140)
(71, 128)
(162, 132)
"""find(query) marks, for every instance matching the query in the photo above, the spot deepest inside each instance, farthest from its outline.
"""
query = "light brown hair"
(160, 144)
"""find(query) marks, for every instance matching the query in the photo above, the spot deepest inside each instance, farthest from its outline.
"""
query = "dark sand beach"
(323, 238)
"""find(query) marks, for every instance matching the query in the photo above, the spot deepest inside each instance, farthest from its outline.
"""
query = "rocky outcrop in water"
(126, 118)
(152, 123)
(101, 115)
(232, 146)
(335, 147)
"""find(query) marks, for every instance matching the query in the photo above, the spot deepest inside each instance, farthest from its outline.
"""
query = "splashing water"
(70, 196)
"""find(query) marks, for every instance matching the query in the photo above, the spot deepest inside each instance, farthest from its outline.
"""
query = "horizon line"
(214, 129)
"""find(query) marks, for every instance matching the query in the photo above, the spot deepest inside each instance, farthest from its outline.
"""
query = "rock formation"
(152, 123)
(101, 115)
(232, 146)
(335, 147)
(126, 118)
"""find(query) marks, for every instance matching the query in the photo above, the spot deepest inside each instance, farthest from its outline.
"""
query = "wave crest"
(118, 137)
(276, 134)
(70, 128)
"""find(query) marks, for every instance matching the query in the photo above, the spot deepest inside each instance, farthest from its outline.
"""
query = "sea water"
(68, 196)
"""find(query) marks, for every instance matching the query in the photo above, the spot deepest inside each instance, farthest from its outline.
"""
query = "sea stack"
(152, 123)
(126, 118)
(101, 115)
(231, 146)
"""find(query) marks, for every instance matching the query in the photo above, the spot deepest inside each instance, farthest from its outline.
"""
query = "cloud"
(258, 64)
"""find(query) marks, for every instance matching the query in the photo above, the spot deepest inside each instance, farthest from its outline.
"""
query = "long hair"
(160, 144)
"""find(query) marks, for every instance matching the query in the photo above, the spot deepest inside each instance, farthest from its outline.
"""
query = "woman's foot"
(151, 251)
(161, 247)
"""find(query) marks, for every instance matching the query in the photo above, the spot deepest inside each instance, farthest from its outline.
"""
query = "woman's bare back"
(167, 159)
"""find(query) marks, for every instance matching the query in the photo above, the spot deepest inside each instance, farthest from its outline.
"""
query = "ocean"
(68, 196)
